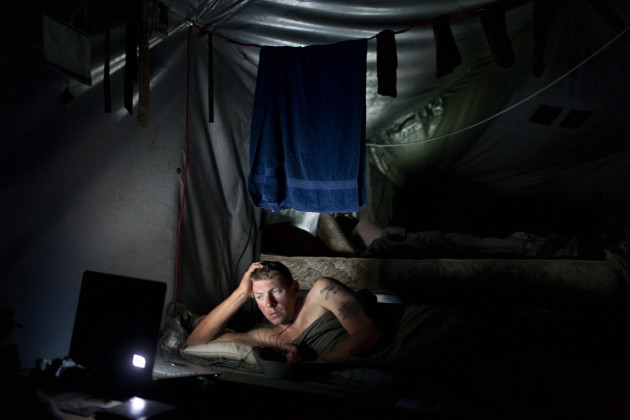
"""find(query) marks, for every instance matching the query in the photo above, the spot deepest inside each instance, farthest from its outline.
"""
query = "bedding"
(417, 336)
(437, 244)
(436, 354)
(460, 327)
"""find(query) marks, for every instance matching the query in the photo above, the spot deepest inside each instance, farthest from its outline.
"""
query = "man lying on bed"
(292, 317)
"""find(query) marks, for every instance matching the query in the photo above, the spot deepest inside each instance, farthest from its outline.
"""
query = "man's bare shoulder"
(315, 304)
(336, 297)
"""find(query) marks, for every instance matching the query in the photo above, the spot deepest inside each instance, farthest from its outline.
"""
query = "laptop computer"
(117, 328)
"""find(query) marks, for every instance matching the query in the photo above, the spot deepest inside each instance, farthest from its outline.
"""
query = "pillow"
(223, 349)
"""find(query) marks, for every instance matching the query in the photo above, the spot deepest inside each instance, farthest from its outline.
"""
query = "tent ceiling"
(474, 126)
(509, 154)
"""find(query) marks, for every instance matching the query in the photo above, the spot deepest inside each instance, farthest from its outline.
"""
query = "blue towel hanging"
(307, 141)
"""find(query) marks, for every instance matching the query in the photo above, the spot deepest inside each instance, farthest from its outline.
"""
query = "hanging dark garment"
(386, 63)
(144, 68)
(493, 22)
(210, 77)
(107, 86)
(447, 53)
(131, 54)
(544, 13)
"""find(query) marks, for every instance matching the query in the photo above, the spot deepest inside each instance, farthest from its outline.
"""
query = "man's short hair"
(273, 270)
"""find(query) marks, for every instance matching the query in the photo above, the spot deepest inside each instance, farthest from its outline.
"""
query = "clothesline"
(485, 120)
(426, 23)
(538, 92)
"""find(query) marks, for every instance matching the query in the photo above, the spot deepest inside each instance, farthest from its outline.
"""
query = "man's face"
(276, 302)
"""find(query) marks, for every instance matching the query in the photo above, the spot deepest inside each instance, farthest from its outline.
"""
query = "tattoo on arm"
(331, 287)
(348, 308)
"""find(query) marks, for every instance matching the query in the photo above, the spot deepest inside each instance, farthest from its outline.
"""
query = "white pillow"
(223, 349)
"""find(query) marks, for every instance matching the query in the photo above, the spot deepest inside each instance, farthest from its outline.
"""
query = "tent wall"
(82, 189)
(86, 190)
(220, 226)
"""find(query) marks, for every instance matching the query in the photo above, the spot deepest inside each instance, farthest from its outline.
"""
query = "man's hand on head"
(246, 282)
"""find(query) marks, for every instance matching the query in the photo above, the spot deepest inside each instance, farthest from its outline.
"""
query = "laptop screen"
(117, 326)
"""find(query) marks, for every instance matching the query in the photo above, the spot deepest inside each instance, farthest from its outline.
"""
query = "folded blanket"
(307, 139)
